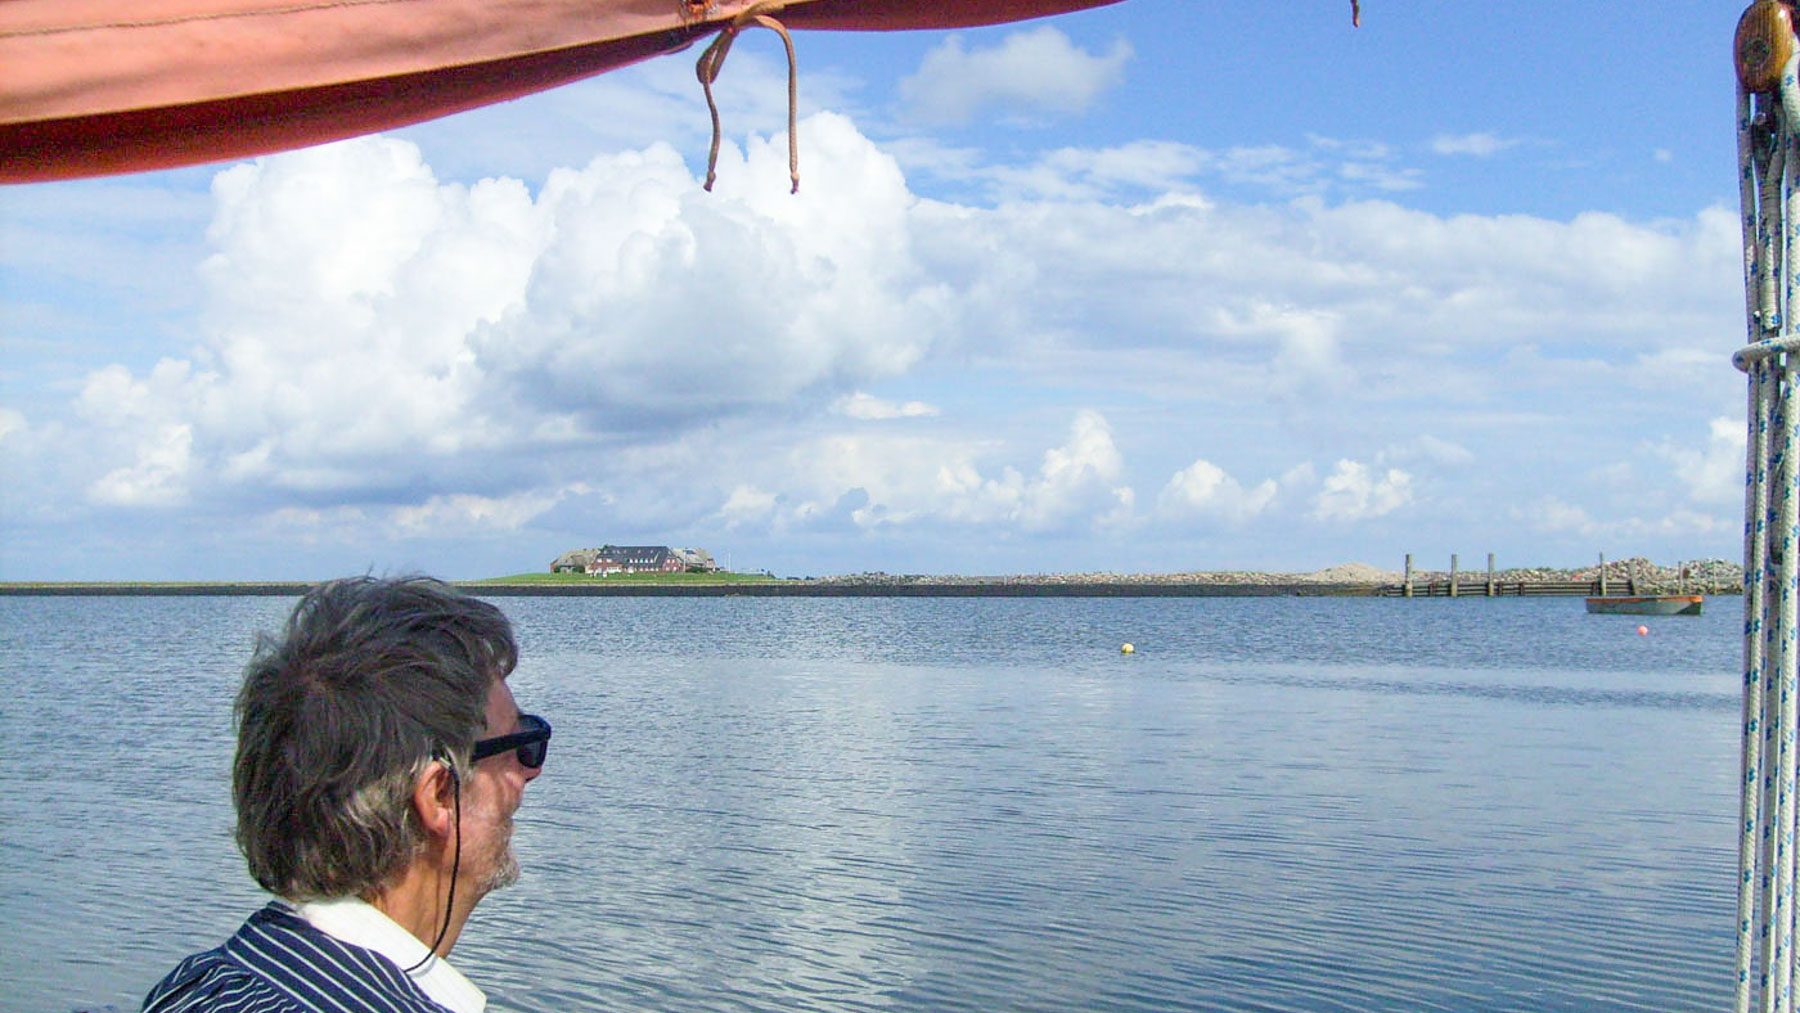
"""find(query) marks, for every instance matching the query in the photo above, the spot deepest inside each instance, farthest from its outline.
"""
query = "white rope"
(1750, 808)
(1760, 189)
(1768, 147)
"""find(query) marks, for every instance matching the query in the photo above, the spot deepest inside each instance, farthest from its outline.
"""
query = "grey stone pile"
(1704, 576)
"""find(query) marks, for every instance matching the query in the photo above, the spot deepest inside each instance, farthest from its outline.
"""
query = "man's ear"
(434, 798)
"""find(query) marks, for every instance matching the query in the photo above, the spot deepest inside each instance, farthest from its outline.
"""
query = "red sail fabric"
(95, 87)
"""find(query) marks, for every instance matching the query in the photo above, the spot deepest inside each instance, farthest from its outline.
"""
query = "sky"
(1163, 286)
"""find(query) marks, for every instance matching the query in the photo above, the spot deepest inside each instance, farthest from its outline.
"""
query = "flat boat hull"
(1646, 605)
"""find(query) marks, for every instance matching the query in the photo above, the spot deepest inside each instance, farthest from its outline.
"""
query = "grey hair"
(371, 680)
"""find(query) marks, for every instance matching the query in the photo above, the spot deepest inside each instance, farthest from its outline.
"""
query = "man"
(380, 758)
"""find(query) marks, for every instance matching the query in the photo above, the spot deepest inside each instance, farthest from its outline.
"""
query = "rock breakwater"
(1697, 576)
(1702, 576)
(1347, 574)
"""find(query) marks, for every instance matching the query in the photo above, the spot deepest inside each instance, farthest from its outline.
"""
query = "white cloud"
(370, 328)
(867, 406)
(1554, 516)
(1671, 371)
(746, 505)
(1478, 145)
(310, 522)
(144, 451)
(875, 481)
(1037, 71)
(1714, 472)
(1160, 167)
(12, 423)
(344, 290)
(1684, 523)
(1295, 480)
(1269, 166)
(1307, 343)
(1352, 493)
(1068, 174)
(1364, 302)
(1427, 449)
(417, 352)
(1386, 178)
(796, 293)
(156, 478)
(1302, 344)
(1204, 489)
(1071, 472)
(1356, 148)
(462, 512)
(1367, 164)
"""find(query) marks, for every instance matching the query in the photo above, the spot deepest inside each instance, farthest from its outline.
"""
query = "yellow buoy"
(1127, 649)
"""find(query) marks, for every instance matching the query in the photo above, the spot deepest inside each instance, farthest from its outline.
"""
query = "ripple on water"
(1278, 805)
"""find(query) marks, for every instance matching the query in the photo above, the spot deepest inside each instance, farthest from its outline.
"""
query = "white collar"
(360, 923)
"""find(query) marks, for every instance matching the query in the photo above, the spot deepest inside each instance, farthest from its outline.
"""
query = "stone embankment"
(1347, 575)
(1703, 576)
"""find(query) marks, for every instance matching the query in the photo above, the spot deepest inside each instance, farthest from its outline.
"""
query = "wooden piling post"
(1603, 573)
(1452, 574)
(1490, 583)
(1406, 588)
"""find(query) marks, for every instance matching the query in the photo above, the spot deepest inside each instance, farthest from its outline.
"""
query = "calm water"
(1276, 804)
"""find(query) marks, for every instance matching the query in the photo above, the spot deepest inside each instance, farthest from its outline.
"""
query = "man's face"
(493, 795)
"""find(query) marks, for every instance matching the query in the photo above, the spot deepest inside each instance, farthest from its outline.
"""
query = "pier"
(1477, 587)
(1634, 576)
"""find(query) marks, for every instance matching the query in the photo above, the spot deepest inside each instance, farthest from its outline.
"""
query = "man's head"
(371, 684)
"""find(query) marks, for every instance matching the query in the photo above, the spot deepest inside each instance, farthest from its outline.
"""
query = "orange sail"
(95, 87)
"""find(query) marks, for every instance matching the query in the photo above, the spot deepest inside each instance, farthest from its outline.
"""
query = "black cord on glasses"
(455, 866)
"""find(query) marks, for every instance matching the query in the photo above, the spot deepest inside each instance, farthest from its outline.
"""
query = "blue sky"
(1156, 287)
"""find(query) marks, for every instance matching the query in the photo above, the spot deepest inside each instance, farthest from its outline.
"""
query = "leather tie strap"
(713, 60)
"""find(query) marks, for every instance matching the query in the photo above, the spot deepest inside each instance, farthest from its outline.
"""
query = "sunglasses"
(532, 741)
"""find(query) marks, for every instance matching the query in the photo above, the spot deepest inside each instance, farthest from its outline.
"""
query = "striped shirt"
(279, 963)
